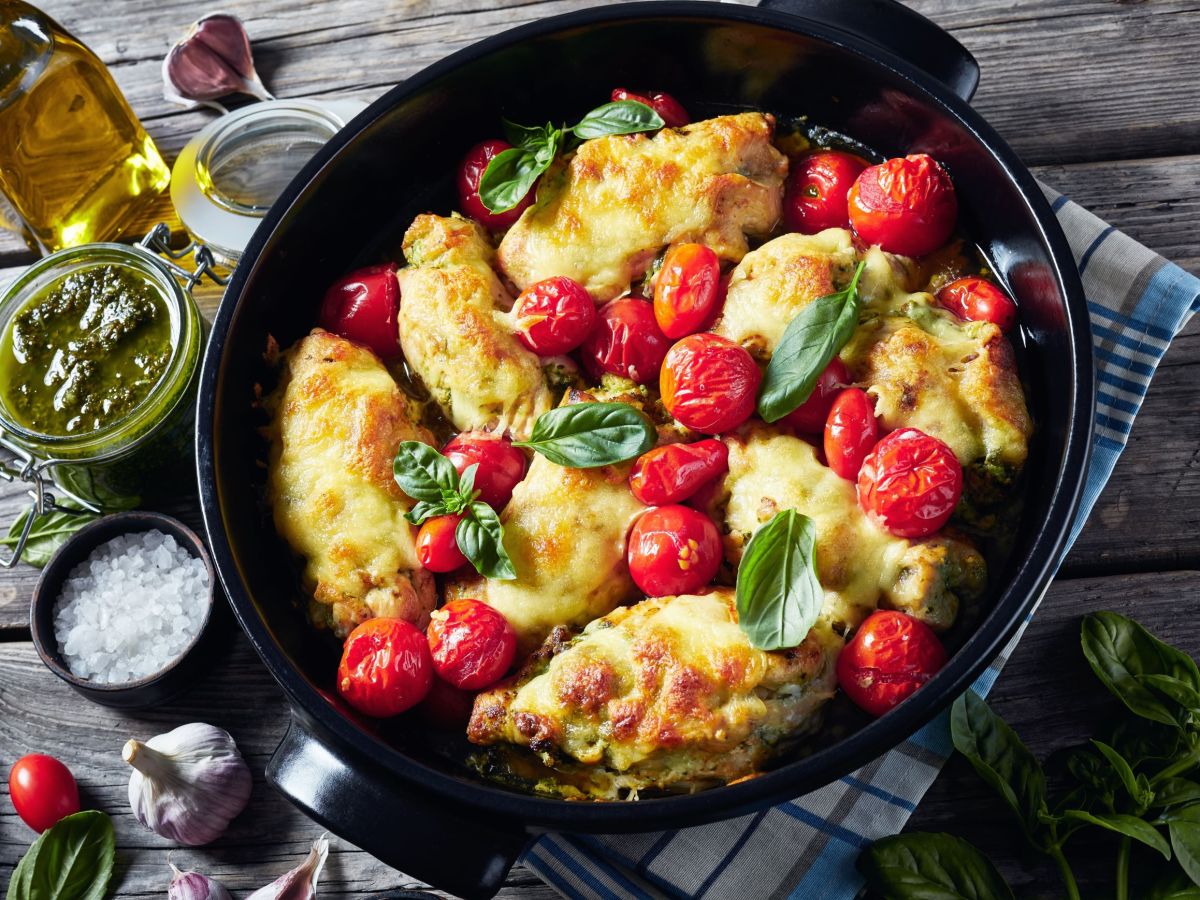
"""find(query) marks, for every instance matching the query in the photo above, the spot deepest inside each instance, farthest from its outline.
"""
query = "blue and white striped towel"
(807, 847)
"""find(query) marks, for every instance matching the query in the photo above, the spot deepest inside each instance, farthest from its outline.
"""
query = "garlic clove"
(212, 60)
(194, 886)
(301, 882)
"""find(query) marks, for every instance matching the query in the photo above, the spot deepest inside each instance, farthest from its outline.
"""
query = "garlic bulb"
(188, 784)
(194, 886)
(301, 882)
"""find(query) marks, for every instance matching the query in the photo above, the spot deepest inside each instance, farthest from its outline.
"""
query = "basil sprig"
(48, 532)
(510, 175)
(778, 594)
(72, 860)
(589, 435)
(809, 342)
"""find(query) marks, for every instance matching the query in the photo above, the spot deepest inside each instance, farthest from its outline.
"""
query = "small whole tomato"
(446, 707)
(472, 644)
(906, 205)
(889, 657)
(673, 550)
(554, 316)
(910, 483)
(978, 300)
(363, 307)
(42, 790)
(850, 432)
(437, 545)
(686, 289)
(501, 465)
(669, 109)
(814, 197)
(386, 667)
(626, 341)
(709, 383)
(809, 417)
(673, 473)
(470, 173)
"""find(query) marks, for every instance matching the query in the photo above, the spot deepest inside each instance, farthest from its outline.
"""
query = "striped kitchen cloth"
(807, 847)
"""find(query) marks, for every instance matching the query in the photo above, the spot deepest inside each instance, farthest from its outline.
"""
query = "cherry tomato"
(815, 195)
(362, 307)
(42, 790)
(501, 465)
(905, 205)
(850, 432)
(472, 644)
(889, 657)
(910, 483)
(685, 291)
(675, 472)
(446, 707)
(709, 383)
(978, 300)
(809, 417)
(386, 667)
(626, 341)
(554, 315)
(470, 172)
(669, 109)
(673, 550)
(437, 546)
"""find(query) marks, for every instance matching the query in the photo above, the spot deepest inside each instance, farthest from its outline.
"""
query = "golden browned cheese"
(337, 418)
(456, 332)
(603, 216)
(659, 694)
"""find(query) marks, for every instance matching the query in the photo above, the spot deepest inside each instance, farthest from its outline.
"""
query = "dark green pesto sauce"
(85, 351)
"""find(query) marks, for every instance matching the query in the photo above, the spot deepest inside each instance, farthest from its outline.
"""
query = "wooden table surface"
(1098, 96)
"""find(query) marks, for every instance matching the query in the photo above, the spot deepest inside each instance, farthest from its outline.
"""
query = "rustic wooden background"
(1099, 96)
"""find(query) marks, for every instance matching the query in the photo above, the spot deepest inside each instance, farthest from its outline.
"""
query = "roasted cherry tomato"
(850, 432)
(669, 109)
(685, 291)
(472, 644)
(905, 205)
(626, 341)
(446, 707)
(470, 172)
(362, 307)
(709, 383)
(554, 315)
(675, 472)
(501, 465)
(817, 185)
(437, 546)
(673, 550)
(889, 657)
(809, 417)
(42, 790)
(978, 300)
(386, 667)
(910, 483)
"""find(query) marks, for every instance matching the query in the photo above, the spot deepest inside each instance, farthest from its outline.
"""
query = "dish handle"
(422, 835)
(894, 27)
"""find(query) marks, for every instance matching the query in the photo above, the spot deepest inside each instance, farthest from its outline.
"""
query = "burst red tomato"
(501, 465)
(910, 483)
(470, 172)
(905, 205)
(809, 417)
(363, 306)
(850, 432)
(889, 657)
(386, 667)
(554, 316)
(673, 550)
(709, 383)
(437, 546)
(42, 790)
(669, 109)
(626, 341)
(978, 300)
(472, 644)
(446, 707)
(686, 289)
(673, 473)
(817, 186)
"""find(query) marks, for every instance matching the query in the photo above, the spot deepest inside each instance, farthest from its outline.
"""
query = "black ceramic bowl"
(394, 792)
(153, 689)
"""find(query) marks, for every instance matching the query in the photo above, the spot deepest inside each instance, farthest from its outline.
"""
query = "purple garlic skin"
(301, 882)
(194, 886)
(212, 60)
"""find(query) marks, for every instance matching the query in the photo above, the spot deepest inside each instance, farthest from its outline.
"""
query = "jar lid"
(229, 174)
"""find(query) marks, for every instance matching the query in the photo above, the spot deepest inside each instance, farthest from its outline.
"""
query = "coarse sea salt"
(131, 608)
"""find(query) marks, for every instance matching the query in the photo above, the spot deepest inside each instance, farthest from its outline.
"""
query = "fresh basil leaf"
(48, 532)
(423, 473)
(1184, 829)
(778, 594)
(1130, 826)
(423, 510)
(480, 537)
(921, 866)
(511, 174)
(1143, 742)
(528, 137)
(618, 117)
(1174, 689)
(1170, 884)
(72, 860)
(1176, 792)
(588, 435)
(466, 484)
(1124, 773)
(809, 342)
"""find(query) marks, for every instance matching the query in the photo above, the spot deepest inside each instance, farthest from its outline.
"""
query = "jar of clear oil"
(76, 166)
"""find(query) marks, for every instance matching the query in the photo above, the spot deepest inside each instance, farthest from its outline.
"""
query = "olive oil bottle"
(76, 166)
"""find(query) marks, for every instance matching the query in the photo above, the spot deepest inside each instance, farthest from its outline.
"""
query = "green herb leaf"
(423, 473)
(480, 537)
(511, 174)
(778, 594)
(1171, 884)
(1130, 826)
(922, 866)
(809, 342)
(618, 117)
(1124, 772)
(528, 137)
(48, 532)
(588, 435)
(423, 510)
(72, 860)
(1174, 689)
(1184, 830)
(1176, 792)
